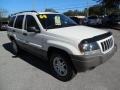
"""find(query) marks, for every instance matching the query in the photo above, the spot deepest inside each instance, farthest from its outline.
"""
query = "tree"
(110, 3)
(3, 13)
(96, 10)
(110, 6)
(50, 10)
(74, 13)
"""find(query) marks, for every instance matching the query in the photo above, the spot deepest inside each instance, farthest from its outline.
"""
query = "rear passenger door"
(18, 27)
(10, 27)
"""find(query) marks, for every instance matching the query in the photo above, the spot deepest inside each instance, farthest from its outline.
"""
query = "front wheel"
(61, 66)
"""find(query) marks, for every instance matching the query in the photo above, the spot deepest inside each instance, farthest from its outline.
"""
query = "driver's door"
(32, 40)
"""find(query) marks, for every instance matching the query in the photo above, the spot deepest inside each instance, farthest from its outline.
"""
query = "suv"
(69, 48)
(114, 18)
(3, 25)
(93, 20)
(78, 19)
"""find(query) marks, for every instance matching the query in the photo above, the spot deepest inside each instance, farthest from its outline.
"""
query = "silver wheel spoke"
(60, 66)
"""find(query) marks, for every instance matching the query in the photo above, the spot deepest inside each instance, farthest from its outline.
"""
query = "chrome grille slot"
(107, 44)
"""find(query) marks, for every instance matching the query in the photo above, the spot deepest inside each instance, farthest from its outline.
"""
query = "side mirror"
(33, 29)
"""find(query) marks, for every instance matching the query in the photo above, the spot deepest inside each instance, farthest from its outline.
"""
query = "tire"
(61, 67)
(16, 49)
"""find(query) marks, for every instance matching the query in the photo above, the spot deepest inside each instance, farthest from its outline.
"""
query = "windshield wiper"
(68, 25)
(53, 26)
(58, 26)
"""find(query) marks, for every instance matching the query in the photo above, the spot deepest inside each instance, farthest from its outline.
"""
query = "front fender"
(69, 48)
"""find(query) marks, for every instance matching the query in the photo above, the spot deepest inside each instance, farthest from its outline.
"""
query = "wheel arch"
(54, 49)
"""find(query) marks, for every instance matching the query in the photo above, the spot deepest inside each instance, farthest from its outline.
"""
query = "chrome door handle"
(25, 34)
(13, 30)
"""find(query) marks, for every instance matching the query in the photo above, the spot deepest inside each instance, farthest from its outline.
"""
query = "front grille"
(107, 44)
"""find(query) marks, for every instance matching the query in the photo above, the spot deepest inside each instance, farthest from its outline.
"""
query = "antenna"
(87, 8)
(33, 4)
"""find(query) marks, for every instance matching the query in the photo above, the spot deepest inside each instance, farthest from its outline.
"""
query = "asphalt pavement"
(27, 72)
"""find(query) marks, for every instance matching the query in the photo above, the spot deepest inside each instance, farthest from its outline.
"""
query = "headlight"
(89, 48)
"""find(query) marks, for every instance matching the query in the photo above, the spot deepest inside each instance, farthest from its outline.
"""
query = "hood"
(77, 32)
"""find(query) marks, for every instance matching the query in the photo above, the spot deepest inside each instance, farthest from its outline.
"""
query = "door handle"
(13, 30)
(25, 34)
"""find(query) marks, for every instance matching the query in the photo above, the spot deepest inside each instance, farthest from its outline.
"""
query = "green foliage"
(110, 3)
(74, 13)
(96, 10)
(3, 13)
(109, 6)
(3, 19)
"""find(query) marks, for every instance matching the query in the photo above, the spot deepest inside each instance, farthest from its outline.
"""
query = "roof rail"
(24, 11)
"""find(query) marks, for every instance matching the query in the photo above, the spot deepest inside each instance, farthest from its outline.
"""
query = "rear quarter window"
(11, 21)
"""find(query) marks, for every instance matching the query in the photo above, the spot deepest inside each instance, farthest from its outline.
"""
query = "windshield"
(51, 21)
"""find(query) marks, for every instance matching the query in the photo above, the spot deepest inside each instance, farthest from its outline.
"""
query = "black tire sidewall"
(14, 52)
(70, 72)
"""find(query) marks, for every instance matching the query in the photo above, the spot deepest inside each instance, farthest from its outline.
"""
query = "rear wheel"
(61, 66)
(15, 47)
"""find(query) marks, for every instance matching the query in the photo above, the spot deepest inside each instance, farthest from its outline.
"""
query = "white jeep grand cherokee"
(55, 37)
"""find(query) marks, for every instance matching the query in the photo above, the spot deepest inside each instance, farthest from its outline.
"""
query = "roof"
(47, 13)
(32, 12)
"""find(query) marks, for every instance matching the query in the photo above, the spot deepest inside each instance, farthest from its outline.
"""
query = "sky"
(13, 6)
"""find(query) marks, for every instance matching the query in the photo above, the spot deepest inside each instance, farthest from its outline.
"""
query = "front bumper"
(88, 62)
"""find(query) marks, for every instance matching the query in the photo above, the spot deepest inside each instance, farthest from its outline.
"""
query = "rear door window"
(19, 21)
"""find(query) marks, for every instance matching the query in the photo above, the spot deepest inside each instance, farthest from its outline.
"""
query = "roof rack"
(24, 11)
